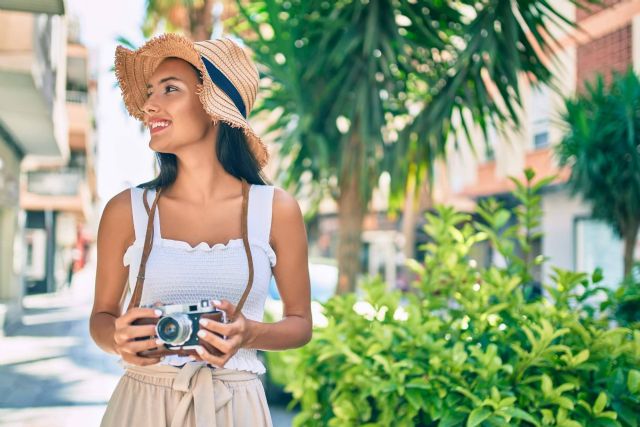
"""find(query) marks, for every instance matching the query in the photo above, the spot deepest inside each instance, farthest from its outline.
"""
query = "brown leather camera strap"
(146, 249)
(148, 244)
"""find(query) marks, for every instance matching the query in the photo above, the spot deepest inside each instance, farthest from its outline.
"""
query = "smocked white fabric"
(178, 273)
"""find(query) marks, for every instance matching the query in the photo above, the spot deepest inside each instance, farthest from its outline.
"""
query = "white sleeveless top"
(178, 273)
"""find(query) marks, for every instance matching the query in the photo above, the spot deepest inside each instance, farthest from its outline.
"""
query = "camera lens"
(174, 329)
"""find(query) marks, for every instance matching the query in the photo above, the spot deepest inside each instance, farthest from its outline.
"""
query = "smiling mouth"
(158, 126)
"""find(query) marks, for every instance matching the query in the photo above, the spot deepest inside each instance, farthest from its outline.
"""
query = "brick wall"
(603, 55)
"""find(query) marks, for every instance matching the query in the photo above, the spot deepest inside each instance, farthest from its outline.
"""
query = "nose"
(149, 106)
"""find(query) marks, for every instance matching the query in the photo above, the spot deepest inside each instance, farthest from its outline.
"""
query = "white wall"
(560, 210)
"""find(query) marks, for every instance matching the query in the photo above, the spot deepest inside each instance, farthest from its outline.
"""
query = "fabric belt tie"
(207, 392)
(203, 386)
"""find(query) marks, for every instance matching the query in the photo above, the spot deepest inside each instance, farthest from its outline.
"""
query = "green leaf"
(415, 397)
(478, 415)
(597, 275)
(601, 402)
(606, 422)
(633, 381)
(501, 218)
(581, 357)
(569, 423)
(546, 385)
(608, 414)
(522, 415)
(452, 419)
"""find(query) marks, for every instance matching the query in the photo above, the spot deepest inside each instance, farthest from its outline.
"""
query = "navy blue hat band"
(225, 84)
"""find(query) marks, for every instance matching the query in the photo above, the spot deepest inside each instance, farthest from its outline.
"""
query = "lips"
(158, 125)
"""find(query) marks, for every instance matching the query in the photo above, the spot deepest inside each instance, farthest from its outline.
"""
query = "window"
(539, 113)
(598, 246)
(491, 143)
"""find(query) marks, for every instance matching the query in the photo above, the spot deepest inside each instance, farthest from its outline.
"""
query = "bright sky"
(123, 157)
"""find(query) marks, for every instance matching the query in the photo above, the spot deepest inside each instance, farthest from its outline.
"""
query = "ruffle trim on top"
(134, 252)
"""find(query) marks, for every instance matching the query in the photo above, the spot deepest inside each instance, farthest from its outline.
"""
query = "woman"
(195, 98)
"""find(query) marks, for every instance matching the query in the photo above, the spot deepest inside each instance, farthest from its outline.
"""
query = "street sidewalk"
(51, 372)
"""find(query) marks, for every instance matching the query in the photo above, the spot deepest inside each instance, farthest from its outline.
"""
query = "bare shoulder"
(117, 219)
(286, 216)
(284, 204)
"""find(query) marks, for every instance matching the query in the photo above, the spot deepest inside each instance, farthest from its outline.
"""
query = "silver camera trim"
(180, 319)
(168, 310)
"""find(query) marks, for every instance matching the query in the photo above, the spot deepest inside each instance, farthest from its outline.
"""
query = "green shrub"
(471, 346)
(625, 301)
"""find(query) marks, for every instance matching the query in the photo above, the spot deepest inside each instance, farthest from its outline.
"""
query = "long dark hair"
(232, 150)
(233, 153)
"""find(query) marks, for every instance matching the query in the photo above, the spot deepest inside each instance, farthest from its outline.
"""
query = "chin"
(160, 147)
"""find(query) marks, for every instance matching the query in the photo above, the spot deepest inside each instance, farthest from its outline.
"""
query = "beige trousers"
(191, 396)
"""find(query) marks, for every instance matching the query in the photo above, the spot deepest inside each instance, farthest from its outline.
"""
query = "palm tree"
(602, 146)
(195, 18)
(362, 87)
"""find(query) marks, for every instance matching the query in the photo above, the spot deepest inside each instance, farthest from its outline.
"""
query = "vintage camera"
(178, 328)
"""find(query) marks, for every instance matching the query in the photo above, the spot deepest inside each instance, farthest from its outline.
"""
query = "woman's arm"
(289, 241)
(115, 234)
(111, 330)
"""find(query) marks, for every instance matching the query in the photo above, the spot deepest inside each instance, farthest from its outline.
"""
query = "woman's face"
(173, 111)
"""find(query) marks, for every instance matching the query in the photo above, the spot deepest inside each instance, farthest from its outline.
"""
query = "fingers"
(218, 361)
(141, 331)
(135, 347)
(225, 346)
(224, 329)
(124, 335)
(225, 306)
(135, 314)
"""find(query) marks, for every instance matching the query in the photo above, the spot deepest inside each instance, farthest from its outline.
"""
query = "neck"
(201, 177)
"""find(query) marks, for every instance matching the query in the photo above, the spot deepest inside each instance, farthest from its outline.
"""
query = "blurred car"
(323, 275)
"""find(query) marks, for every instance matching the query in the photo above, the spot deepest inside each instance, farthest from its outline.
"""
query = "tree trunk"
(630, 238)
(409, 217)
(413, 212)
(351, 209)
(202, 21)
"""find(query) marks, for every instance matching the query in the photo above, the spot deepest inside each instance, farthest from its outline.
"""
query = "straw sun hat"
(230, 79)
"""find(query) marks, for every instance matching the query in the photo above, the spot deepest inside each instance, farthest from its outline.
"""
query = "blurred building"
(46, 150)
(32, 118)
(609, 39)
(57, 194)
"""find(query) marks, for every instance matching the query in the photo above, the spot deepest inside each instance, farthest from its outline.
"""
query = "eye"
(170, 88)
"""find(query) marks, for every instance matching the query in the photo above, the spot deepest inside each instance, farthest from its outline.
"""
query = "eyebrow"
(166, 79)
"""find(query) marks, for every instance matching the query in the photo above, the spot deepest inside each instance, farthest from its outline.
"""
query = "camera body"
(178, 328)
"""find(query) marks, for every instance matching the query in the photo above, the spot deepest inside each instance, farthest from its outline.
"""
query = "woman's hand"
(125, 334)
(236, 333)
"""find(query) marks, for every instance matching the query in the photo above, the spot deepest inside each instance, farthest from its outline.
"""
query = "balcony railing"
(63, 182)
(77, 97)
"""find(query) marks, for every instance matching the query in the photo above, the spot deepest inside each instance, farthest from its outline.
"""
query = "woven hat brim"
(134, 68)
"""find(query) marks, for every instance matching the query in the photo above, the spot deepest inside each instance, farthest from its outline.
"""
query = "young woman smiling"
(207, 228)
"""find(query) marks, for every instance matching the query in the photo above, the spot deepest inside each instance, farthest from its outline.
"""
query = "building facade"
(32, 120)
(47, 184)
(58, 194)
(607, 40)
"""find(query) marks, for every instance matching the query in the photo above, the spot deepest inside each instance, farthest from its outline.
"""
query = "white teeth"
(154, 125)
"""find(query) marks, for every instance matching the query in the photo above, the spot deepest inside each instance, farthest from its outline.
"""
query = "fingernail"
(158, 312)
(159, 341)
(204, 322)
(202, 334)
(200, 350)
(216, 302)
